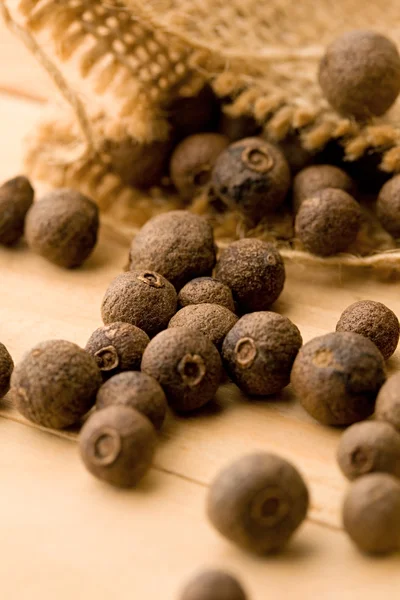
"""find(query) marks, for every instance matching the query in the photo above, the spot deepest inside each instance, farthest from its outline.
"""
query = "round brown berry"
(368, 447)
(137, 390)
(137, 164)
(388, 402)
(255, 272)
(211, 319)
(316, 178)
(375, 321)
(55, 384)
(371, 513)
(117, 445)
(360, 74)
(259, 352)
(62, 227)
(193, 161)
(329, 222)
(6, 369)
(253, 176)
(388, 206)
(16, 198)
(337, 377)
(142, 298)
(258, 502)
(117, 347)
(213, 585)
(179, 245)
(186, 364)
(206, 290)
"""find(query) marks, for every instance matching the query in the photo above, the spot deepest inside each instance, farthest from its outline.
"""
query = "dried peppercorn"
(337, 377)
(117, 347)
(179, 245)
(255, 272)
(55, 384)
(211, 319)
(370, 446)
(388, 206)
(16, 198)
(316, 178)
(117, 445)
(186, 364)
(252, 176)
(328, 222)
(375, 321)
(388, 402)
(62, 227)
(213, 585)
(371, 513)
(206, 290)
(137, 164)
(142, 298)
(193, 160)
(6, 369)
(137, 390)
(360, 74)
(258, 502)
(259, 351)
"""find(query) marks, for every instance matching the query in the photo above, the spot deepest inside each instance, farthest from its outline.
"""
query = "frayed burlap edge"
(87, 169)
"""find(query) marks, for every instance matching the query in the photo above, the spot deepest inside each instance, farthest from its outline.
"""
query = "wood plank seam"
(71, 437)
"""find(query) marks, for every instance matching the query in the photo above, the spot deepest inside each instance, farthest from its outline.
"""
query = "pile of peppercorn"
(177, 322)
(183, 317)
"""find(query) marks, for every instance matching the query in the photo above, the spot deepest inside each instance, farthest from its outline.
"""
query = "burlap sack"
(119, 64)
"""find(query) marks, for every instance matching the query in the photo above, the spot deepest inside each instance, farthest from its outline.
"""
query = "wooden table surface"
(65, 535)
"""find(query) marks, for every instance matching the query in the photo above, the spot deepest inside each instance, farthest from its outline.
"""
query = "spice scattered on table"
(137, 390)
(258, 502)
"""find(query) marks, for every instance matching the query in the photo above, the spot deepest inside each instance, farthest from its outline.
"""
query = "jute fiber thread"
(130, 59)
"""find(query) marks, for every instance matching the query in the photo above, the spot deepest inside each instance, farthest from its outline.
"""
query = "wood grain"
(66, 535)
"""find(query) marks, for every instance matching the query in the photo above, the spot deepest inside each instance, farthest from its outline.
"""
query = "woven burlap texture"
(130, 59)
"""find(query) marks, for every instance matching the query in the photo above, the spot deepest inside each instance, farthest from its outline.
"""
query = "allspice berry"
(117, 347)
(258, 502)
(179, 245)
(6, 369)
(117, 445)
(388, 206)
(259, 352)
(16, 198)
(211, 319)
(55, 384)
(388, 402)
(142, 298)
(316, 178)
(193, 160)
(206, 290)
(253, 176)
(139, 165)
(337, 376)
(371, 513)
(137, 390)
(375, 321)
(213, 585)
(186, 364)
(62, 227)
(360, 74)
(328, 222)
(367, 447)
(255, 272)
